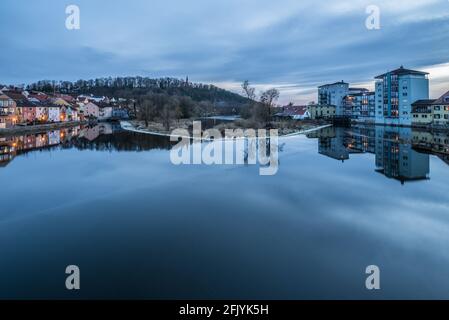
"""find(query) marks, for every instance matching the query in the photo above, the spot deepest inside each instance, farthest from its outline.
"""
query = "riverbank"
(414, 126)
(40, 127)
(136, 126)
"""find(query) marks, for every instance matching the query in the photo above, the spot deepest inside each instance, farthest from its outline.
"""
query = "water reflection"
(400, 153)
(103, 136)
(179, 232)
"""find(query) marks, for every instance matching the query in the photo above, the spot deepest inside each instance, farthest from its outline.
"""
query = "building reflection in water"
(103, 136)
(400, 153)
(332, 145)
(396, 158)
(8, 150)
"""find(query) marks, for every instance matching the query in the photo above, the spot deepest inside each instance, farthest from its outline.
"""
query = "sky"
(292, 45)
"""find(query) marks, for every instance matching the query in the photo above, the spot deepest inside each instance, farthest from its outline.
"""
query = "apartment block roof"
(424, 102)
(402, 71)
(333, 84)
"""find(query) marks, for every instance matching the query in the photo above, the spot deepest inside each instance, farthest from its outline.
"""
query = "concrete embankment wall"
(39, 128)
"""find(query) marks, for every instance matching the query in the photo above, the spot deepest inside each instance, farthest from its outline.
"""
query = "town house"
(91, 110)
(7, 111)
(441, 110)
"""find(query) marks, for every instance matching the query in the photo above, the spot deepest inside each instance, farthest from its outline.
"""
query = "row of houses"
(401, 98)
(23, 107)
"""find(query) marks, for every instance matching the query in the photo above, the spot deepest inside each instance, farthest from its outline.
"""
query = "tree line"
(165, 109)
(131, 87)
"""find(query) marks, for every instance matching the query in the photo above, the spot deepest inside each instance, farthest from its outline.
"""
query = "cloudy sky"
(293, 45)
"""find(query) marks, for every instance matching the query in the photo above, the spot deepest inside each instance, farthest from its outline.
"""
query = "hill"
(135, 87)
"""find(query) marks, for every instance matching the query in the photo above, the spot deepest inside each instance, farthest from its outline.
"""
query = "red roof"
(18, 97)
(39, 96)
(66, 97)
(294, 110)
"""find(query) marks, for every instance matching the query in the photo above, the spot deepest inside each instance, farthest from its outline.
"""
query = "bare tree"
(248, 110)
(147, 111)
(178, 112)
(249, 91)
(168, 113)
(268, 99)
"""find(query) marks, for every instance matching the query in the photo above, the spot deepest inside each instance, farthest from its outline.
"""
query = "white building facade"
(91, 110)
(104, 112)
(333, 94)
(54, 113)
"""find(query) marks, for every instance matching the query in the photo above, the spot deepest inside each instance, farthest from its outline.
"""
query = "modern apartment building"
(360, 105)
(396, 91)
(349, 101)
(333, 94)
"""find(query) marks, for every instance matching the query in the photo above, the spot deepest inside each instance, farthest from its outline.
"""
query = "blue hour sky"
(293, 45)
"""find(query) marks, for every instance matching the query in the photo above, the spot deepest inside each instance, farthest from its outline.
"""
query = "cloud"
(439, 79)
(289, 44)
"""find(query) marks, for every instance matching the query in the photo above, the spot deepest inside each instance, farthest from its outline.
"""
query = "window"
(437, 108)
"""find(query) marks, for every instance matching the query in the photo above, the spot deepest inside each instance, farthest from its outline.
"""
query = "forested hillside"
(134, 87)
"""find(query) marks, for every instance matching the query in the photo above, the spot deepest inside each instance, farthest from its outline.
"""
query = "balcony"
(426, 110)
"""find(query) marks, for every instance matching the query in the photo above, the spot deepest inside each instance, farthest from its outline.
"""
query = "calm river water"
(112, 203)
